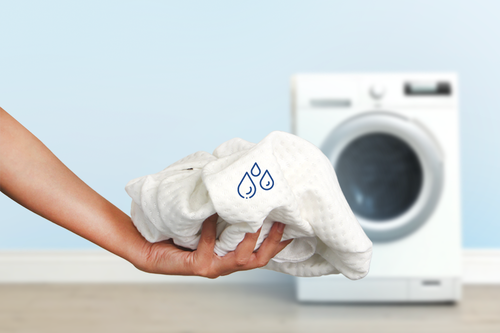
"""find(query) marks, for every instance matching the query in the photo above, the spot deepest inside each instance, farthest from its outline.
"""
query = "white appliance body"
(416, 245)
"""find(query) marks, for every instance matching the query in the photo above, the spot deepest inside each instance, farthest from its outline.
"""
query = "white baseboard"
(480, 266)
(99, 266)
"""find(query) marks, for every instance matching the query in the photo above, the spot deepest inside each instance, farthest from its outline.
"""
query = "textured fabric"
(282, 178)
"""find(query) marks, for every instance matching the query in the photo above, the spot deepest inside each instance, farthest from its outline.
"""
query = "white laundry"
(282, 178)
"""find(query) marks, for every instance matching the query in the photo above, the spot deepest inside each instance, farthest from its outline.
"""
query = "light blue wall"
(122, 89)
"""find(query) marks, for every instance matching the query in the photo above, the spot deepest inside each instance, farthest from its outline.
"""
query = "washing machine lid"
(390, 169)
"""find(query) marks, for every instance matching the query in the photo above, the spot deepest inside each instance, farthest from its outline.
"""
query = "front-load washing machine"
(393, 142)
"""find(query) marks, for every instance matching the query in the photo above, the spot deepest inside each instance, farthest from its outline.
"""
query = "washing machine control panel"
(345, 92)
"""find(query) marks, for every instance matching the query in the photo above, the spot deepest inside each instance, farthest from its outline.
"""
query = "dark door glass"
(380, 175)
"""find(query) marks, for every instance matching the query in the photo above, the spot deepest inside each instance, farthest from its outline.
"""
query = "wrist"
(138, 253)
(126, 241)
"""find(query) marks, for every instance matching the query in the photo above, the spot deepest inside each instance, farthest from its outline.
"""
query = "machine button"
(377, 91)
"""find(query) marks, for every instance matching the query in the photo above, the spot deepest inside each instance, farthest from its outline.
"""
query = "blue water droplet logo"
(267, 182)
(255, 170)
(247, 188)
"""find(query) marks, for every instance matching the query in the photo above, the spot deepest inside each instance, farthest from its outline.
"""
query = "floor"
(189, 308)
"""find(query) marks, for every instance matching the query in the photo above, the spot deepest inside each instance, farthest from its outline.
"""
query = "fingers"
(245, 249)
(208, 236)
(210, 265)
(271, 245)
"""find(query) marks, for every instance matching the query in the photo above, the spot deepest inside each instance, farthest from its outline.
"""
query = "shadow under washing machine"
(393, 142)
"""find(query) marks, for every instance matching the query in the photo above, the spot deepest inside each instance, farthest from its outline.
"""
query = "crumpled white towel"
(282, 178)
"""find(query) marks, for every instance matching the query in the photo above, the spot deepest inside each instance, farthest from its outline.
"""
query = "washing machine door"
(390, 170)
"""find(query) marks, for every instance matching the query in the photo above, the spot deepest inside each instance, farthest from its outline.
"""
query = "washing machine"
(393, 142)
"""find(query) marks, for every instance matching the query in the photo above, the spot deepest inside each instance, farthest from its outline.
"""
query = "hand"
(167, 258)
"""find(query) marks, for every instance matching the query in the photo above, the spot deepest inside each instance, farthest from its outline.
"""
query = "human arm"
(34, 177)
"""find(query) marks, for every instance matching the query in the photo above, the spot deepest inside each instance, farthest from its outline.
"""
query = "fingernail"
(281, 227)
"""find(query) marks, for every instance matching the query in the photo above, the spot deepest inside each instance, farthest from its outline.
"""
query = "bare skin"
(34, 177)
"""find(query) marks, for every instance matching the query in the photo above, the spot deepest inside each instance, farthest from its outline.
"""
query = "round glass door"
(380, 175)
(390, 172)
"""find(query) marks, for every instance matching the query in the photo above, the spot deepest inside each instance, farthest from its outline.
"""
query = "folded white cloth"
(282, 178)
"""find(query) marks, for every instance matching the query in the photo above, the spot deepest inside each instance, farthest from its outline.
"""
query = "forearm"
(34, 177)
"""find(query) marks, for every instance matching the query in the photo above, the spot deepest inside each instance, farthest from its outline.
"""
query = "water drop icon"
(255, 170)
(266, 182)
(246, 188)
